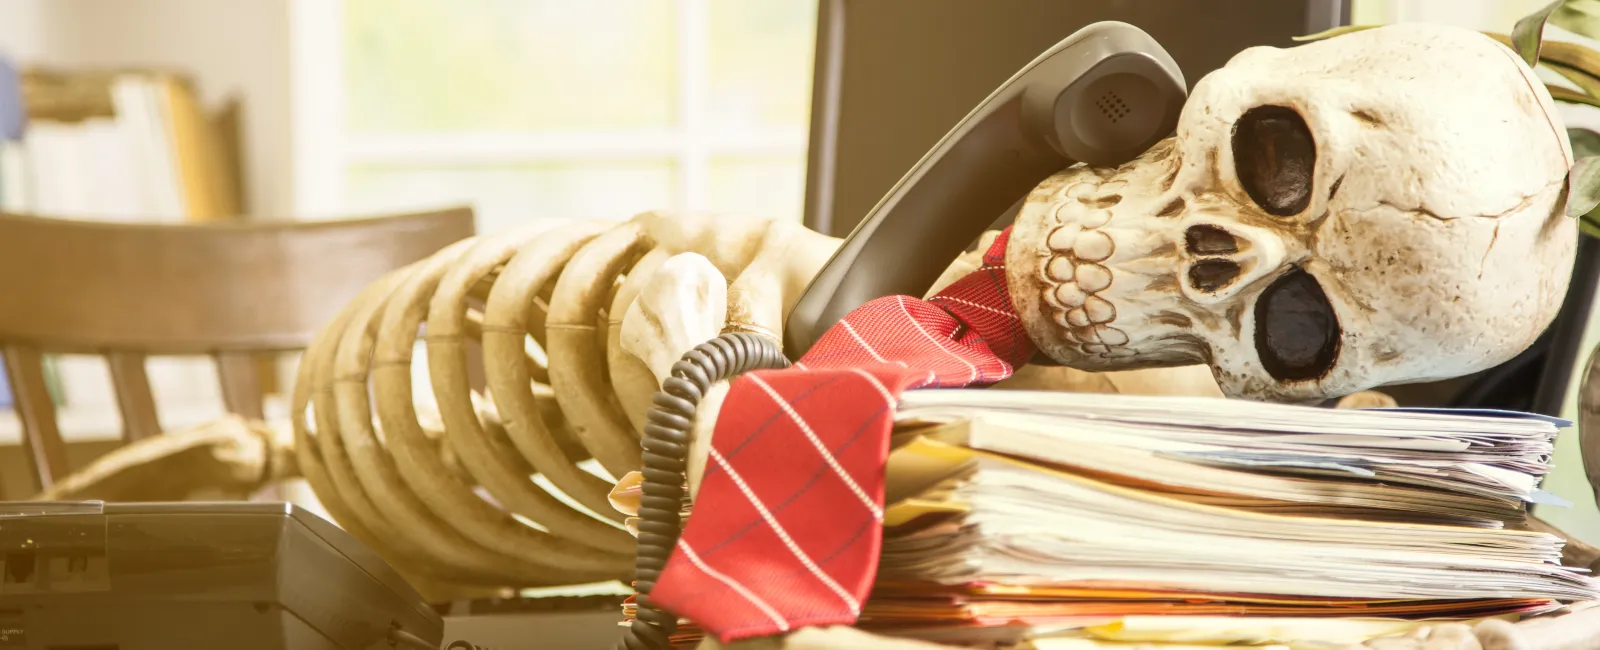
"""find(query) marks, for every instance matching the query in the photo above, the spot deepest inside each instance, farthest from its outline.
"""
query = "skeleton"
(1309, 232)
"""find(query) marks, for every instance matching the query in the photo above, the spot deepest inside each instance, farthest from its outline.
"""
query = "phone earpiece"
(1101, 96)
(1111, 114)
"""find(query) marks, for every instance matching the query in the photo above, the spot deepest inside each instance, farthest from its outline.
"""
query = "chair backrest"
(229, 290)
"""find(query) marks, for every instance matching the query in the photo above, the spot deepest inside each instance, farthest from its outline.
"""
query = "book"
(133, 146)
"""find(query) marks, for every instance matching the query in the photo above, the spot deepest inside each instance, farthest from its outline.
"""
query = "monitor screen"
(893, 76)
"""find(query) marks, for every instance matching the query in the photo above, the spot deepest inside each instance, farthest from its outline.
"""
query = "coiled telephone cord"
(667, 434)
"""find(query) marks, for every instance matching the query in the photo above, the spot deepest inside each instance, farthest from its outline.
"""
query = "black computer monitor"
(893, 76)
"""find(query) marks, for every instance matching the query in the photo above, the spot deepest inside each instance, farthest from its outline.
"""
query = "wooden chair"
(231, 291)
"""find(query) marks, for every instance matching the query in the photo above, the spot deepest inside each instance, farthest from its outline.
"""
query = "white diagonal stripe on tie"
(694, 558)
(867, 346)
(783, 535)
(864, 344)
(882, 389)
(827, 456)
(974, 305)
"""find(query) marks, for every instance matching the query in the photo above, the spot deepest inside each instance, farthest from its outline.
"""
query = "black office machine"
(241, 576)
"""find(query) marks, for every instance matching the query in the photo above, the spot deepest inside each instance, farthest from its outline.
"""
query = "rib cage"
(450, 500)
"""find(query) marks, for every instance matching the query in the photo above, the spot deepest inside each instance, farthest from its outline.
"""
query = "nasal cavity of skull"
(1211, 275)
(1297, 331)
(1275, 156)
(1210, 240)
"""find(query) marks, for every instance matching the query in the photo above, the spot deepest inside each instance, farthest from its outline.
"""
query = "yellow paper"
(910, 509)
(1209, 630)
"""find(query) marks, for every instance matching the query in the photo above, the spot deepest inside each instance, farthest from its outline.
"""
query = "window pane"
(770, 188)
(502, 65)
(760, 56)
(506, 196)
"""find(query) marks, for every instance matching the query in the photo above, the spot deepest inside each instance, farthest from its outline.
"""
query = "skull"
(1382, 207)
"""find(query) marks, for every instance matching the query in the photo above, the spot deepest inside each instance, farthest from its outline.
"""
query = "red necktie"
(787, 524)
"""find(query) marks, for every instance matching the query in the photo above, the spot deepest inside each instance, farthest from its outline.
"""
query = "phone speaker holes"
(1112, 107)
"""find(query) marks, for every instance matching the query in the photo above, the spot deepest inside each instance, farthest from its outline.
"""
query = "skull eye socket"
(1297, 333)
(1275, 156)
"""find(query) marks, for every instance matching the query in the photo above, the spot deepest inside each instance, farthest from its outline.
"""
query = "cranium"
(1381, 207)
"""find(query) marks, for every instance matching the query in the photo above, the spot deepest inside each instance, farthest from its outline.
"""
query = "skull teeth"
(1111, 335)
(1086, 334)
(1099, 310)
(1075, 271)
(1092, 278)
(1064, 238)
(1078, 318)
(1094, 218)
(1061, 269)
(1069, 295)
(1092, 246)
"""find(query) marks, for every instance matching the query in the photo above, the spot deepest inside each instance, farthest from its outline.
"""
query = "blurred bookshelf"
(120, 145)
(125, 145)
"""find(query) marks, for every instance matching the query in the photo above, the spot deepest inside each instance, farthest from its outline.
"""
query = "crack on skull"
(1525, 201)
(1494, 237)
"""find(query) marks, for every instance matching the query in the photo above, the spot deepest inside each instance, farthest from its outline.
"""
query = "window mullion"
(694, 68)
(319, 151)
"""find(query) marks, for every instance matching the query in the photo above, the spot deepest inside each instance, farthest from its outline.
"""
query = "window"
(552, 108)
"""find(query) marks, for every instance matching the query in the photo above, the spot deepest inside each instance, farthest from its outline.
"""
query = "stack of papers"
(1061, 516)
(1467, 467)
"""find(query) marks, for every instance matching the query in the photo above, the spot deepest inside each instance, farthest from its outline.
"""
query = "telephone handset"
(1101, 97)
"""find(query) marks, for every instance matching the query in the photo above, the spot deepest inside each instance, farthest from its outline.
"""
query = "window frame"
(323, 151)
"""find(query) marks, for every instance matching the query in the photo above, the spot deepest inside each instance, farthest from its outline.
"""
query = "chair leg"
(241, 383)
(134, 399)
(41, 439)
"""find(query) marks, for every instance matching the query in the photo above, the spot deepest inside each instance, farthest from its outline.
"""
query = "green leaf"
(1583, 186)
(1528, 34)
(1583, 80)
(1585, 143)
(1580, 17)
(1337, 31)
(1571, 96)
